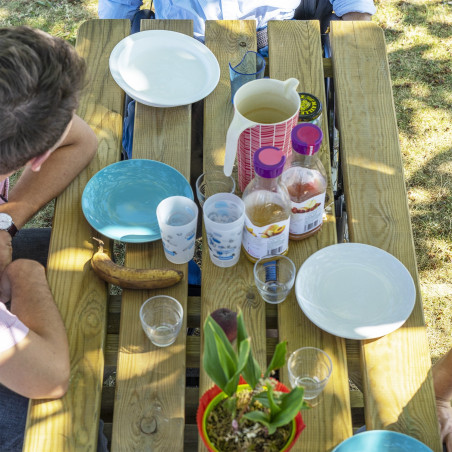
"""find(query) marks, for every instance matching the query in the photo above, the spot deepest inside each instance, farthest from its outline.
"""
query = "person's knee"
(109, 9)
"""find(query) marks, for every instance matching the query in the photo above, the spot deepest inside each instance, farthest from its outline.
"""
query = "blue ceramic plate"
(381, 441)
(120, 200)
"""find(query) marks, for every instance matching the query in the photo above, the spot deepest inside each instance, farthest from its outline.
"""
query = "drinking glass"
(177, 217)
(311, 368)
(274, 277)
(161, 318)
(224, 216)
(251, 67)
(213, 182)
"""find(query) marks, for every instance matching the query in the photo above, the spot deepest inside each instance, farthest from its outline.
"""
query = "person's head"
(40, 80)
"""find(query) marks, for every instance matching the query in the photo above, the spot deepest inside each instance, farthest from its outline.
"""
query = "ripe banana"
(132, 278)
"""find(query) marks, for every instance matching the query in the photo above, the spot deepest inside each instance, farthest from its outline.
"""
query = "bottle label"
(307, 215)
(270, 239)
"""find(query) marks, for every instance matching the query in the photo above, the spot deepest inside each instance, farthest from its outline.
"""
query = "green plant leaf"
(262, 418)
(278, 358)
(245, 348)
(242, 334)
(258, 416)
(290, 404)
(212, 362)
(228, 358)
(251, 371)
(274, 408)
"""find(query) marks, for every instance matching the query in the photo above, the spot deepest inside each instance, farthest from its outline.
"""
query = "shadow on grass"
(60, 18)
(421, 14)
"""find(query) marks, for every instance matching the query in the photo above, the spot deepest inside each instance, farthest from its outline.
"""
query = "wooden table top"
(150, 398)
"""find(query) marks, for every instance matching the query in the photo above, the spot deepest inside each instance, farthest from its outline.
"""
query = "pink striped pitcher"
(265, 112)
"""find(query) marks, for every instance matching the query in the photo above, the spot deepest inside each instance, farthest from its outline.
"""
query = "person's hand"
(6, 249)
(356, 16)
(444, 412)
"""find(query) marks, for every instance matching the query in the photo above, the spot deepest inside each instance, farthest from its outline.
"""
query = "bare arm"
(356, 16)
(38, 366)
(35, 188)
(442, 381)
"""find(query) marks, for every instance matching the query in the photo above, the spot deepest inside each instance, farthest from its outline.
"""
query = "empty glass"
(274, 277)
(251, 67)
(213, 182)
(161, 318)
(311, 368)
(177, 217)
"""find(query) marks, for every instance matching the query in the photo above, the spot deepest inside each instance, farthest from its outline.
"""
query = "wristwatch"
(6, 224)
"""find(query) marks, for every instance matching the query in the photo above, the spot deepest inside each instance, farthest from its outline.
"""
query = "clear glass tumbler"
(311, 368)
(161, 318)
(251, 67)
(274, 277)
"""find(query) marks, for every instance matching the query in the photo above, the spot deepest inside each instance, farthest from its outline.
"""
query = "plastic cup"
(224, 216)
(177, 217)
(311, 368)
(161, 318)
(274, 277)
(213, 182)
(251, 67)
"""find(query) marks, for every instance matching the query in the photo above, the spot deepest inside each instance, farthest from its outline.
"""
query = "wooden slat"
(295, 51)
(71, 424)
(397, 379)
(150, 385)
(234, 286)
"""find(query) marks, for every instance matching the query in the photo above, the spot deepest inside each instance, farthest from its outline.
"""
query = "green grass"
(419, 43)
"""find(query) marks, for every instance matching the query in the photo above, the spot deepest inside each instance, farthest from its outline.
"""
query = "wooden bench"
(153, 409)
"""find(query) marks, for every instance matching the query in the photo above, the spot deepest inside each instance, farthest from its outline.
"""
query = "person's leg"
(32, 244)
(13, 416)
(321, 10)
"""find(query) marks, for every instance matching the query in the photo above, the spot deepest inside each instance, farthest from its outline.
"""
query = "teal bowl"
(381, 441)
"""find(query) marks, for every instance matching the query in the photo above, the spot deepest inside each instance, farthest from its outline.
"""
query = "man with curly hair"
(40, 81)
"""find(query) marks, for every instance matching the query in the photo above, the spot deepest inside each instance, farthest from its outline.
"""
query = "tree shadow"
(419, 14)
(58, 17)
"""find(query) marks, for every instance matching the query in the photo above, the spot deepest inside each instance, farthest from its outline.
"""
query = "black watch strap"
(12, 230)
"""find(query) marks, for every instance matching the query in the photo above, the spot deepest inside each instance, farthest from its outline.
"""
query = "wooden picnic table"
(153, 408)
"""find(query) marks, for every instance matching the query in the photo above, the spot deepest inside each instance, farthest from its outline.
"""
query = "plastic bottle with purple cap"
(306, 182)
(267, 207)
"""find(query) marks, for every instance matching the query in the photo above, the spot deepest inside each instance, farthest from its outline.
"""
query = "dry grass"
(419, 43)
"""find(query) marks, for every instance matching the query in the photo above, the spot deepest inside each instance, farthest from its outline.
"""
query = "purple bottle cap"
(306, 138)
(269, 162)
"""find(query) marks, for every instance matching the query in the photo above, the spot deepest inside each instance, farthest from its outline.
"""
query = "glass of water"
(224, 216)
(161, 318)
(274, 277)
(311, 368)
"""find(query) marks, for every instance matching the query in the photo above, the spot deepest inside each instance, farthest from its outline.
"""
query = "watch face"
(5, 221)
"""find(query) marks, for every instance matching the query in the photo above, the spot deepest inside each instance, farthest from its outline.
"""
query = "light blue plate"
(381, 441)
(120, 200)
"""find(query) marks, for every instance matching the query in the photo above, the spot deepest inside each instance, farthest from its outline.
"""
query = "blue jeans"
(13, 416)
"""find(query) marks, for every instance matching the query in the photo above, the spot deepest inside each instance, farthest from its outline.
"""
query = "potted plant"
(247, 409)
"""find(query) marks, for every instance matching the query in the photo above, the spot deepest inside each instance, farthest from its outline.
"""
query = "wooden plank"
(397, 378)
(228, 287)
(295, 51)
(71, 423)
(150, 385)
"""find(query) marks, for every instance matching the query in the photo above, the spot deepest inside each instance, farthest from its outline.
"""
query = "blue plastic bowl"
(381, 441)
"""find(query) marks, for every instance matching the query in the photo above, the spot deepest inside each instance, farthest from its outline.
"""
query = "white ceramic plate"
(355, 291)
(164, 68)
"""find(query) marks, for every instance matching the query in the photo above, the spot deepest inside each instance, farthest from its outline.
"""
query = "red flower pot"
(214, 395)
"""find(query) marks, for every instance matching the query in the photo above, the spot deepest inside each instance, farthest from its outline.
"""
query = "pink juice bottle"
(306, 182)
